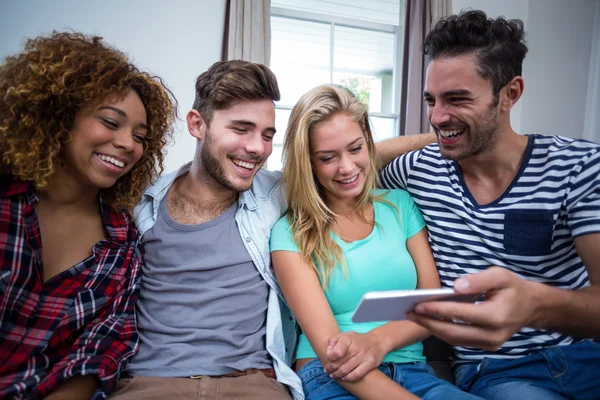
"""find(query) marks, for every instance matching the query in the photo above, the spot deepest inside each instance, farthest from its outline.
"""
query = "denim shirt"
(259, 208)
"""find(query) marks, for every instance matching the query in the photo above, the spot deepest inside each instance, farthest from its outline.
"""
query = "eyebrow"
(348, 145)
(251, 124)
(121, 113)
(457, 92)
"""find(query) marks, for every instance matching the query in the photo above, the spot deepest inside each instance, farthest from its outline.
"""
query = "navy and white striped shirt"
(530, 229)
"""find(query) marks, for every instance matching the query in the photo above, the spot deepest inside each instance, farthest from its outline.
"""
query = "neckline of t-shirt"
(164, 212)
(513, 183)
(341, 241)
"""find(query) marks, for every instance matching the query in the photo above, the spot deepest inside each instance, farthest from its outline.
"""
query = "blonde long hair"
(310, 217)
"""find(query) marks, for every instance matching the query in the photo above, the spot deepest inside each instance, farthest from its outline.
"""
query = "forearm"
(399, 334)
(389, 149)
(572, 312)
(76, 388)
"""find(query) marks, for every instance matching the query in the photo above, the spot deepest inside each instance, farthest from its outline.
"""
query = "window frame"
(334, 21)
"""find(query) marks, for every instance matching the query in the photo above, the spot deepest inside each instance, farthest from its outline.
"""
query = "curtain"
(248, 31)
(419, 17)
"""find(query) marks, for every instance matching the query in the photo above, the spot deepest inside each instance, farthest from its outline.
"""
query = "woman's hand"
(351, 355)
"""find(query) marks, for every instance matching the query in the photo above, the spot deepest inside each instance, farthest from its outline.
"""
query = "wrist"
(538, 304)
(382, 341)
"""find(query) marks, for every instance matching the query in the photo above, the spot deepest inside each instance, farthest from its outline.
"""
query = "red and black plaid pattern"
(80, 322)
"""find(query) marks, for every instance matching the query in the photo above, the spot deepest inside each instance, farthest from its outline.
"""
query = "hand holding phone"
(392, 305)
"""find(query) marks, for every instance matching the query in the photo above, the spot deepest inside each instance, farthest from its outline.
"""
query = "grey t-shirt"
(203, 304)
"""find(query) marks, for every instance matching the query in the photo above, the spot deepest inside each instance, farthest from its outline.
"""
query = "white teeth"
(349, 180)
(450, 134)
(111, 160)
(244, 164)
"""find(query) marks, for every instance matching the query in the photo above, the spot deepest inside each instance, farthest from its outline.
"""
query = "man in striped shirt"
(514, 216)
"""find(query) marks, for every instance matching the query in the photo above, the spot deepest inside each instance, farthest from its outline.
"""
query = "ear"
(196, 124)
(511, 93)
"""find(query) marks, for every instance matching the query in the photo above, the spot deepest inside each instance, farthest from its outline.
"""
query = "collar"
(12, 186)
(165, 182)
(248, 199)
(118, 224)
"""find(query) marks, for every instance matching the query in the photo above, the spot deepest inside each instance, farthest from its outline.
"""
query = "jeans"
(418, 378)
(562, 372)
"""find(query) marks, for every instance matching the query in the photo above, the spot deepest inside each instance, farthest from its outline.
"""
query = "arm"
(307, 301)
(352, 354)
(389, 149)
(512, 303)
(77, 388)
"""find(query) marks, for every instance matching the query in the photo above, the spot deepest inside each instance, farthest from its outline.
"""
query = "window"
(354, 43)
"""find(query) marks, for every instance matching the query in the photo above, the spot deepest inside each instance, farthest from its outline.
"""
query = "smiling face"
(106, 141)
(237, 143)
(339, 157)
(461, 107)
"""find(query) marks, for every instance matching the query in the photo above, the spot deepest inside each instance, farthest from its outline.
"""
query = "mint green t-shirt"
(378, 262)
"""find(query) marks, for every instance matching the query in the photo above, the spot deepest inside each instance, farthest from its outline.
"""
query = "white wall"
(176, 40)
(556, 70)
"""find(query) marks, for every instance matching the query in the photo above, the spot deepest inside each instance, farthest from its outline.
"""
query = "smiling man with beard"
(210, 318)
(516, 217)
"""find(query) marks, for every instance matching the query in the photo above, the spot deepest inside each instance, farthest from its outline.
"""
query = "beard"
(213, 167)
(482, 135)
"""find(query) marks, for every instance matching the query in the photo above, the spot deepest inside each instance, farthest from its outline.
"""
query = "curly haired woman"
(82, 132)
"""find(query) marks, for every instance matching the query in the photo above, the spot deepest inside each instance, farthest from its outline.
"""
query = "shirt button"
(247, 238)
(286, 350)
(291, 318)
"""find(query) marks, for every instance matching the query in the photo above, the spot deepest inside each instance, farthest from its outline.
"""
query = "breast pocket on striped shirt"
(528, 233)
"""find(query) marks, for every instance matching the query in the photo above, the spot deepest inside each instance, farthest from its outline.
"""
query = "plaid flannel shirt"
(79, 322)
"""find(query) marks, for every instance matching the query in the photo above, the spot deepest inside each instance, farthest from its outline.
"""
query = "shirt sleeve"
(583, 200)
(410, 215)
(106, 343)
(395, 174)
(281, 236)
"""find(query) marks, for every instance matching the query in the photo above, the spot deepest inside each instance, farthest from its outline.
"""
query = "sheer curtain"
(248, 31)
(420, 16)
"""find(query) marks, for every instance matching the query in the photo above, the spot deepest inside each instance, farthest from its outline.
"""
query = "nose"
(124, 140)
(346, 165)
(256, 145)
(438, 115)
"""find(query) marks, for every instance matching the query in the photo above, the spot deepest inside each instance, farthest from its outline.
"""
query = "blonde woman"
(341, 238)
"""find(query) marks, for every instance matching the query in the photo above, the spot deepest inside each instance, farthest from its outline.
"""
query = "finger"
(333, 365)
(486, 314)
(339, 349)
(459, 334)
(491, 278)
(345, 368)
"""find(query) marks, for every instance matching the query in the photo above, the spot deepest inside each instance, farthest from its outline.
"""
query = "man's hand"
(351, 355)
(509, 305)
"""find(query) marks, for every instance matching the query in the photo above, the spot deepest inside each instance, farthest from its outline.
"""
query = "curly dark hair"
(229, 82)
(498, 45)
(47, 84)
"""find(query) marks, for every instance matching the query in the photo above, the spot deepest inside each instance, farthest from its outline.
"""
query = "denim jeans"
(418, 378)
(563, 372)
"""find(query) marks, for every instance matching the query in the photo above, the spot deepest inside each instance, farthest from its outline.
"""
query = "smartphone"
(392, 305)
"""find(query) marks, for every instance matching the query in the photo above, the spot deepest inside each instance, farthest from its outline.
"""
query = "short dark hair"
(229, 82)
(498, 45)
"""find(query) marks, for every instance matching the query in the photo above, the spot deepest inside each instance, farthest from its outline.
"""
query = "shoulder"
(564, 146)
(282, 225)
(395, 196)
